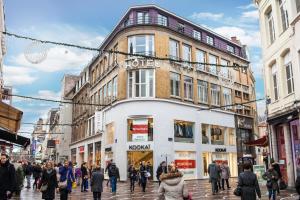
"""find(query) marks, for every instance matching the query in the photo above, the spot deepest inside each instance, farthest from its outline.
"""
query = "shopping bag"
(74, 185)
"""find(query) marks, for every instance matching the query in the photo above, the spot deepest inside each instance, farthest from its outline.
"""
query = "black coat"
(84, 172)
(97, 181)
(7, 178)
(249, 184)
(36, 171)
(160, 170)
(51, 180)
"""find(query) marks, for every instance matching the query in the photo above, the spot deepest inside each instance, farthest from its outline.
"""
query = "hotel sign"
(140, 63)
(139, 147)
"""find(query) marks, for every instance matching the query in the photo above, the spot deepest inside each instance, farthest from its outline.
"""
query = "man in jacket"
(28, 173)
(214, 172)
(277, 169)
(97, 179)
(162, 168)
(114, 175)
(84, 176)
(7, 178)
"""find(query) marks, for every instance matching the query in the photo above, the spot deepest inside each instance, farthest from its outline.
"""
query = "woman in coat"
(132, 173)
(66, 174)
(19, 178)
(48, 182)
(97, 179)
(225, 174)
(248, 183)
(272, 182)
(172, 186)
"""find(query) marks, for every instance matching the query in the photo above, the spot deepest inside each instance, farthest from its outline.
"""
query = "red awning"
(261, 142)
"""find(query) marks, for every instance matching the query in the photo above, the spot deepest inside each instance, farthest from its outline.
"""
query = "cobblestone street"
(200, 190)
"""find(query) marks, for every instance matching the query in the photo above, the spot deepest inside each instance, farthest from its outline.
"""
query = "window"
(213, 61)
(115, 56)
(100, 96)
(202, 91)
(210, 40)
(188, 88)
(174, 49)
(175, 84)
(224, 70)
(197, 35)
(231, 137)
(162, 20)
(205, 133)
(180, 27)
(115, 87)
(141, 44)
(230, 48)
(186, 54)
(289, 73)
(109, 89)
(215, 94)
(217, 135)
(270, 25)
(110, 133)
(227, 98)
(200, 57)
(246, 96)
(184, 131)
(140, 83)
(284, 14)
(140, 130)
(104, 94)
(275, 82)
(142, 17)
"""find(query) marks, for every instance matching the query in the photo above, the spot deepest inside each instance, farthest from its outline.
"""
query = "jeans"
(223, 184)
(36, 180)
(272, 194)
(28, 180)
(83, 184)
(97, 195)
(132, 183)
(113, 184)
(144, 183)
(214, 185)
(64, 194)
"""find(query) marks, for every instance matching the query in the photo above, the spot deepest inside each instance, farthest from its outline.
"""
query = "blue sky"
(88, 23)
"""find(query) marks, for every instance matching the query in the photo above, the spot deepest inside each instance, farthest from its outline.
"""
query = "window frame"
(173, 84)
(162, 20)
(270, 27)
(148, 83)
(215, 100)
(188, 88)
(283, 15)
(200, 67)
(171, 51)
(210, 40)
(227, 96)
(213, 68)
(202, 96)
(197, 35)
(149, 44)
(144, 19)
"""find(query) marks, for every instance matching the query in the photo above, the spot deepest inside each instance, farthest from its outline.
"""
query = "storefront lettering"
(137, 63)
(139, 147)
(220, 149)
(245, 123)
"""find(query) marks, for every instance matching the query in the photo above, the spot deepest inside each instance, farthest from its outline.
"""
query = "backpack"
(113, 171)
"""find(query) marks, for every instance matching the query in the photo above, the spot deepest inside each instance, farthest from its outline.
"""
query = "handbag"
(148, 174)
(237, 191)
(63, 184)
(44, 187)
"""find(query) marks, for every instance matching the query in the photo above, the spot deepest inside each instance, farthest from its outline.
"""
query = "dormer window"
(210, 40)
(197, 35)
(180, 27)
(143, 18)
(162, 20)
(230, 49)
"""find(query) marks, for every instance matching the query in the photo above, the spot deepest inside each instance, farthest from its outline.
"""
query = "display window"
(217, 135)
(97, 153)
(184, 131)
(140, 130)
(73, 155)
(110, 133)
(185, 161)
(90, 154)
(231, 137)
(205, 133)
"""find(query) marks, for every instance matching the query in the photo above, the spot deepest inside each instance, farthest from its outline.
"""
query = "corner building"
(151, 110)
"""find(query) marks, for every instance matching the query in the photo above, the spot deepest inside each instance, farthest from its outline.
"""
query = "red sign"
(57, 142)
(140, 128)
(185, 164)
(81, 149)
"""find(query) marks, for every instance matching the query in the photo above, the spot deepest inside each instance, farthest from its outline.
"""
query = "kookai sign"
(138, 147)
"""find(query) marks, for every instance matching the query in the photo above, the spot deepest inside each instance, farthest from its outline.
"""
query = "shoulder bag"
(63, 184)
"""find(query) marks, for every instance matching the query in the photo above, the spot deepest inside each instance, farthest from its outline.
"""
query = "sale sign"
(186, 163)
(140, 130)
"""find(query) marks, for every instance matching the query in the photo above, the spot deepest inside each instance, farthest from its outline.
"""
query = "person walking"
(28, 174)
(7, 178)
(36, 173)
(297, 183)
(48, 183)
(214, 173)
(106, 170)
(65, 180)
(272, 182)
(144, 170)
(97, 179)
(132, 173)
(225, 174)
(84, 177)
(248, 183)
(173, 186)
(19, 178)
(277, 169)
(113, 173)
(162, 168)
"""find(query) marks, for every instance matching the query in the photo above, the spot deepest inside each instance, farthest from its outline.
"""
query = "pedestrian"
(132, 173)
(214, 173)
(113, 173)
(28, 174)
(225, 174)
(106, 170)
(19, 178)
(272, 182)
(48, 183)
(144, 173)
(162, 168)
(78, 175)
(247, 182)
(173, 186)
(7, 178)
(97, 179)
(150, 170)
(36, 173)
(297, 183)
(84, 176)
(65, 181)
(277, 169)
(219, 176)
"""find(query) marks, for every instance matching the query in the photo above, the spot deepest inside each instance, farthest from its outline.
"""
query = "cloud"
(261, 108)
(252, 15)
(48, 94)
(206, 15)
(246, 7)
(14, 75)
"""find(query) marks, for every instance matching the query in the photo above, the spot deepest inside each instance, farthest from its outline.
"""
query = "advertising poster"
(140, 130)
(259, 170)
(186, 163)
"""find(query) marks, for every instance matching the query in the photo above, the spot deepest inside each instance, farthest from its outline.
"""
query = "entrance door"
(136, 157)
(281, 152)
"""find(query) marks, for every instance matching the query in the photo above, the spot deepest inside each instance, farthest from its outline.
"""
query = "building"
(155, 110)
(279, 29)
(38, 137)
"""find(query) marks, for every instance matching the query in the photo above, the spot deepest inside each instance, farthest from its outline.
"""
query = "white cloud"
(14, 75)
(48, 94)
(246, 7)
(206, 15)
(251, 15)
(261, 108)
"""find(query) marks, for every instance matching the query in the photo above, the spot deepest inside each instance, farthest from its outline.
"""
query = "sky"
(87, 23)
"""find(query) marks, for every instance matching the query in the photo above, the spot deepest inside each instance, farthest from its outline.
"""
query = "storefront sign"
(220, 149)
(244, 122)
(186, 163)
(140, 130)
(81, 149)
(139, 63)
(139, 147)
(51, 144)
(108, 149)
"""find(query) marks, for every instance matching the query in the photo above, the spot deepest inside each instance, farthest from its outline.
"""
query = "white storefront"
(156, 130)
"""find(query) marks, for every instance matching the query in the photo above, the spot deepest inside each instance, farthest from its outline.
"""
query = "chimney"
(235, 40)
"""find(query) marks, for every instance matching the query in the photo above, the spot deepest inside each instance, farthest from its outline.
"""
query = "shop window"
(206, 160)
(205, 133)
(110, 133)
(184, 131)
(140, 130)
(140, 83)
(217, 135)
(231, 136)
(90, 155)
(141, 44)
(98, 153)
(175, 84)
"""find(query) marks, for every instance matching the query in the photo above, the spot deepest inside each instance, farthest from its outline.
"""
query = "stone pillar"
(289, 155)
(94, 153)
(273, 145)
